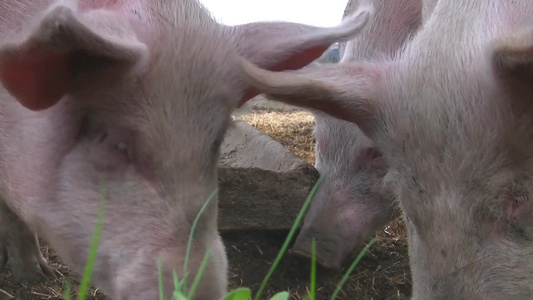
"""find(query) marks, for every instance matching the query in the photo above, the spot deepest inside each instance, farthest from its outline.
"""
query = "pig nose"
(328, 250)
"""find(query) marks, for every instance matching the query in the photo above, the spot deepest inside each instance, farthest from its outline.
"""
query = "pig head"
(347, 208)
(352, 203)
(129, 101)
(452, 114)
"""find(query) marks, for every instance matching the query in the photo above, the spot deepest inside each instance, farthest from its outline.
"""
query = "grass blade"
(313, 269)
(352, 266)
(280, 296)
(299, 218)
(239, 294)
(191, 235)
(66, 291)
(87, 274)
(199, 275)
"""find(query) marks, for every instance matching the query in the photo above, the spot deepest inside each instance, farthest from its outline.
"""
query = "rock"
(262, 184)
(260, 103)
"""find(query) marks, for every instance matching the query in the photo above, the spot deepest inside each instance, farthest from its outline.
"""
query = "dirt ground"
(383, 273)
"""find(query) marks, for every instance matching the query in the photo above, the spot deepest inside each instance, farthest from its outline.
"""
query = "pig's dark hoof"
(30, 269)
(308, 255)
(26, 264)
(19, 249)
(20, 253)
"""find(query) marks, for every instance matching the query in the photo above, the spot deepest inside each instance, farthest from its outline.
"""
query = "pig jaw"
(329, 250)
(462, 264)
(347, 209)
(213, 284)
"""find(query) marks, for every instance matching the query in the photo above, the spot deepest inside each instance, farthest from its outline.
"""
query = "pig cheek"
(351, 222)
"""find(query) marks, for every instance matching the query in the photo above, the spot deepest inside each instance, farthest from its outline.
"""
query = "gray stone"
(260, 103)
(262, 184)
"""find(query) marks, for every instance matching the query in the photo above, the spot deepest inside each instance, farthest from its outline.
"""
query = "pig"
(351, 203)
(127, 101)
(428, 7)
(452, 115)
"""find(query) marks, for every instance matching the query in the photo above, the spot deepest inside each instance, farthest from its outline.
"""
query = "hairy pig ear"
(279, 46)
(42, 67)
(346, 91)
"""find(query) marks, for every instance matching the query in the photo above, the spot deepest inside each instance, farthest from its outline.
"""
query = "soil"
(383, 273)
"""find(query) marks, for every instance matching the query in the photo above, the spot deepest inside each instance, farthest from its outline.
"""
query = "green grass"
(87, 273)
(350, 269)
(180, 286)
(299, 218)
(312, 293)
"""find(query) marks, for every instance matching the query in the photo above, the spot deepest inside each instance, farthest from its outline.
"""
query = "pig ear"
(279, 46)
(513, 57)
(42, 68)
(347, 91)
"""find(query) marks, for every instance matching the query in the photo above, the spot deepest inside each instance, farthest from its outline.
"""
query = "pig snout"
(342, 216)
(329, 248)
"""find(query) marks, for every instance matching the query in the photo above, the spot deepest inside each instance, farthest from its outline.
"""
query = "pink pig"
(452, 114)
(352, 203)
(133, 97)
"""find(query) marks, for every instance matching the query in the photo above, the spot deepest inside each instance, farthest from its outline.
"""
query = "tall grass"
(191, 236)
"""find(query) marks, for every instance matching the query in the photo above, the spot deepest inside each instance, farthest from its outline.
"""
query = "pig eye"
(216, 144)
(126, 150)
(519, 192)
(219, 139)
(520, 196)
(521, 199)
(121, 147)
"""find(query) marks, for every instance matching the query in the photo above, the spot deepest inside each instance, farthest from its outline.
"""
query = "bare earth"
(383, 273)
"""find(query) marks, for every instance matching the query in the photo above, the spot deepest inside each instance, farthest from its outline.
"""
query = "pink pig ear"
(43, 67)
(349, 91)
(279, 46)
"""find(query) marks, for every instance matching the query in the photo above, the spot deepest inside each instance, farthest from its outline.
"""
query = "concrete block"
(260, 103)
(262, 184)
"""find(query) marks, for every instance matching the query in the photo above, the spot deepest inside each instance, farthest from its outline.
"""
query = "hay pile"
(292, 130)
